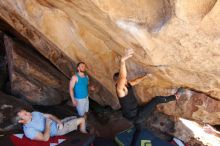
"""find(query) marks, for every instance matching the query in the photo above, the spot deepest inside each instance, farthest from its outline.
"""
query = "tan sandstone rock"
(176, 41)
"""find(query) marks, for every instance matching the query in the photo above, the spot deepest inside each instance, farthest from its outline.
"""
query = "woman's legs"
(146, 110)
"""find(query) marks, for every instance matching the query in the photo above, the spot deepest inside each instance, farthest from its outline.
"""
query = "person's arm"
(137, 80)
(91, 85)
(71, 86)
(123, 72)
(54, 118)
(46, 134)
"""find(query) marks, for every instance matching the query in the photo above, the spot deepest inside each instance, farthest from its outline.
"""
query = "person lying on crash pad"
(40, 126)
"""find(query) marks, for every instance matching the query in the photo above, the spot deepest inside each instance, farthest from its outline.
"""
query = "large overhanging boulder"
(32, 77)
(176, 41)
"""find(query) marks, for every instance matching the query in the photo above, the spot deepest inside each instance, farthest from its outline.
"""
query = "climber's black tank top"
(129, 104)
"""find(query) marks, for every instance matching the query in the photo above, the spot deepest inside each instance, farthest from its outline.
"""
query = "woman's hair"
(116, 76)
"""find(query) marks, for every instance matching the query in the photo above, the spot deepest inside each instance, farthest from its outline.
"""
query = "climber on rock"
(130, 108)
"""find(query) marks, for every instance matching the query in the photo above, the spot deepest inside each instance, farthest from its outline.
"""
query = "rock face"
(188, 131)
(3, 62)
(176, 41)
(8, 107)
(32, 77)
(194, 134)
(198, 107)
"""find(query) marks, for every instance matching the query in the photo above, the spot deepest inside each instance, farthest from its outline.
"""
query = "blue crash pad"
(146, 138)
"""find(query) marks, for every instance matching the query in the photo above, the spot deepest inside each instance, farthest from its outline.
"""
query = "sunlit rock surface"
(176, 41)
(188, 131)
(193, 133)
(197, 107)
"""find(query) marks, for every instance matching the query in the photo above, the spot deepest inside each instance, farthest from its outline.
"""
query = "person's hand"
(75, 103)
(92, 88)
(128, 53)
(48, 121)
(60, 125)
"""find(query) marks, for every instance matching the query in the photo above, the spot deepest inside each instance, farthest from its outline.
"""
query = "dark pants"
(145, 111)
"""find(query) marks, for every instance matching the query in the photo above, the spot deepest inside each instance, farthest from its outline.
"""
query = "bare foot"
(181, 91)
